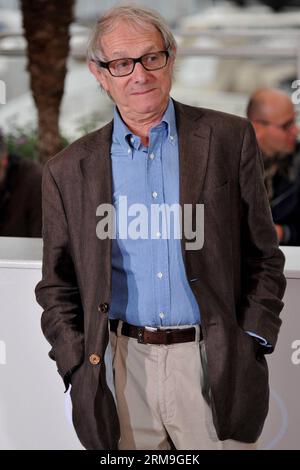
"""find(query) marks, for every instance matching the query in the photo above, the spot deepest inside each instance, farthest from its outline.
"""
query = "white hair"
(140, 16)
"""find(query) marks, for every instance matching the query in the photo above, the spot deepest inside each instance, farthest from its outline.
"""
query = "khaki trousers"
(162, 394)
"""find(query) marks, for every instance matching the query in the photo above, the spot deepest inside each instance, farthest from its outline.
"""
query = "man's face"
(143, 92)
(278, 134)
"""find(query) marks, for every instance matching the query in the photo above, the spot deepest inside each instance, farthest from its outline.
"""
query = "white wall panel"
(34, 411)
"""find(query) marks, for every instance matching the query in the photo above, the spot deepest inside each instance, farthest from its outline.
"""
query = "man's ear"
(98, 74)
(258, 128)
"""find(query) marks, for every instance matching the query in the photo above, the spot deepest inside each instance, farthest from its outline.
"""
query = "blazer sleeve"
(58, 291)
(263, 282)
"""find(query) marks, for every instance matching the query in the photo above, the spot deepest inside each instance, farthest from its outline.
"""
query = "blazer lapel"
(194, 142)
(97, 189)
(194, 139)
(96, 168)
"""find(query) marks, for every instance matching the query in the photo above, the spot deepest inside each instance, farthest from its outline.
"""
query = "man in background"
(273, 117)
(20, 195)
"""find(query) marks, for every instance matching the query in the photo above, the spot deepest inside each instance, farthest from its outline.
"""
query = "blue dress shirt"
(149, 283)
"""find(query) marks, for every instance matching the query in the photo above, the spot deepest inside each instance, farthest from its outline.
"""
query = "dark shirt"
(20, 199)
(284, 197)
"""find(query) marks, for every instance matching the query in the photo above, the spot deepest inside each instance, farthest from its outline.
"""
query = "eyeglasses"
(123, 67)
(285, 127)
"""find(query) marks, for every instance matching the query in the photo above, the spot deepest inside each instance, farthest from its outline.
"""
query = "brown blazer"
(239, 271)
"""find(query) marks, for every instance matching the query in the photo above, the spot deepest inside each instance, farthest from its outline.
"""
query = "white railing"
(251, 51)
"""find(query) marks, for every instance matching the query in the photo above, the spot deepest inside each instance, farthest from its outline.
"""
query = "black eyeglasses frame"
(106, 65)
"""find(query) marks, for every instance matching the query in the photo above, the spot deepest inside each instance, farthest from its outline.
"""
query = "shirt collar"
(170, 120)
(123, 135)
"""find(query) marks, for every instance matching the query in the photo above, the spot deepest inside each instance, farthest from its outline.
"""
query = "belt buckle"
(140, 336)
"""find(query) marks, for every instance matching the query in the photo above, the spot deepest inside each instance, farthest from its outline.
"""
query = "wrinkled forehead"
(131, 33)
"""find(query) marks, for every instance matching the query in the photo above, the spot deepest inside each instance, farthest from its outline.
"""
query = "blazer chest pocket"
(216, 201)
(216, 192)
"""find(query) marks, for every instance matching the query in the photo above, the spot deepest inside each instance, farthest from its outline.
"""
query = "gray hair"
(140, 16)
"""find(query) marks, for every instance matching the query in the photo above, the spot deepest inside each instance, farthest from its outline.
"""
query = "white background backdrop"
(34, 411)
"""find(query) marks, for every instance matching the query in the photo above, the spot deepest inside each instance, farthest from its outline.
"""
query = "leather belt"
(159, 336)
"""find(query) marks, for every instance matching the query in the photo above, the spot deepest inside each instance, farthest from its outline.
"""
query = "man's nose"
(139, 73)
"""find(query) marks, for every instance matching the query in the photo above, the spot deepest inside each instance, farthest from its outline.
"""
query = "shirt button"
(171, 138)
(154, 194)
(159, 275)
(132, 140)
(94, 359)
(162, 315)
(151, 156)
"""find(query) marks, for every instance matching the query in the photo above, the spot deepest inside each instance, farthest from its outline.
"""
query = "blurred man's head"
(273, 117)
(3, 159)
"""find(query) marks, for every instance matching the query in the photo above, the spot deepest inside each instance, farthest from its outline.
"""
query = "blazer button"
(95, 359)
(103, 308)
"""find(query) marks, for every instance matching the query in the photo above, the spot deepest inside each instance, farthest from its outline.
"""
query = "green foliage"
(89, 123)
(23, 141)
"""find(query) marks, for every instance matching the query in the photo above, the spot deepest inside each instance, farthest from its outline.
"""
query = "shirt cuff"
(261, 340)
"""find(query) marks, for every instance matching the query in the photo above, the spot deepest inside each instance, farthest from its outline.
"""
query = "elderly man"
(189, 322)
(273, 116)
